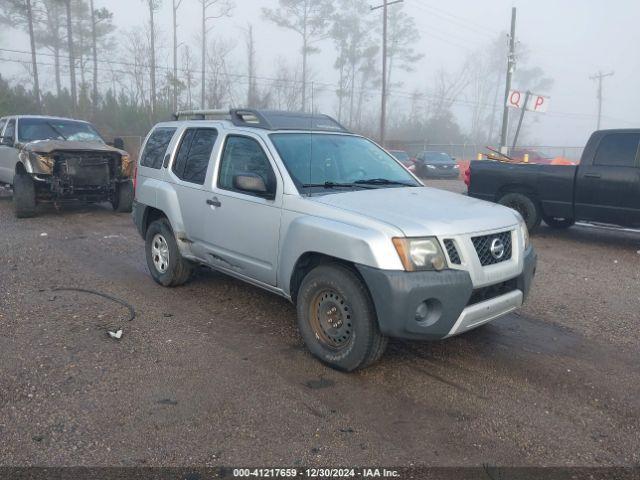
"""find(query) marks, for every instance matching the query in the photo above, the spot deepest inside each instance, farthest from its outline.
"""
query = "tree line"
(116, 77)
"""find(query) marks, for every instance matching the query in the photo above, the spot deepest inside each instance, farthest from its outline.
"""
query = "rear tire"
(24, 195)
(525, 206)
(337, 319)
(559, 223)
(168, 268)
(123, 198)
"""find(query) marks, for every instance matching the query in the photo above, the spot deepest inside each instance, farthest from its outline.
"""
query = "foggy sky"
(569, 39)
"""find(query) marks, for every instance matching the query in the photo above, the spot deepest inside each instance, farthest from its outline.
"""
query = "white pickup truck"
(297, 205)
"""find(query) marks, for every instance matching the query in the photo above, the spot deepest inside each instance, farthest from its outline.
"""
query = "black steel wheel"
(123, 197)
(337, 319)
(559, 223)
(24, 195)
(166, 265)
(330, 319)
(525, 206)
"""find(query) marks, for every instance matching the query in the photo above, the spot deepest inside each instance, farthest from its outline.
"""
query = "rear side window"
(194, 154)
(618, 150)
(156, 147)
(3, 122)
(10, 132)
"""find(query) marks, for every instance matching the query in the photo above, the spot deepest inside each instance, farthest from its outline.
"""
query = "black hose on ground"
(132, 312)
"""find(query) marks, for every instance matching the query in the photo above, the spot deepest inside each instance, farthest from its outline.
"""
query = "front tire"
(559, 223)
(24, 195)
(168, 268)
(123, 197)
(525, 206)
(337, 319)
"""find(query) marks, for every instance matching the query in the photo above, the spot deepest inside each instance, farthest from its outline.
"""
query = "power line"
(469, 25)
(267, 81)
(446, 40)
(446, 36)
(146, 66)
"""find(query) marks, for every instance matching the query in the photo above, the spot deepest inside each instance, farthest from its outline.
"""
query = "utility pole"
(174, 100)
(524, 110)
(511, 67)
(385, 22)
(94, 53)
(251, 50)
(599, 76)
(72, 59)
(34, 62)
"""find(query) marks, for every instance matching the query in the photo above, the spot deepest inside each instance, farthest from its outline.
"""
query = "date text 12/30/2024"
(315, 473)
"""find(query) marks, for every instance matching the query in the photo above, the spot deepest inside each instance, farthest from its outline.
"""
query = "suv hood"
(48, 146)
(424, 211)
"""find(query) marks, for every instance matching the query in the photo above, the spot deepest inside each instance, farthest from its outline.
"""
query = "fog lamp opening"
(428, 312)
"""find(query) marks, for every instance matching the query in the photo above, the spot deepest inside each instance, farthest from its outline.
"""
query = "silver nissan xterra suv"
(297, 205)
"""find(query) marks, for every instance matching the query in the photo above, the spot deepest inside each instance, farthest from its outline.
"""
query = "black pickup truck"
(603, 188)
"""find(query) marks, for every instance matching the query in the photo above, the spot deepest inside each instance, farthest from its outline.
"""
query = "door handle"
(592, 175)
(214, 202)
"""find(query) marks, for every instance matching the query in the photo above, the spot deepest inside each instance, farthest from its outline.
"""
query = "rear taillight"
(467, 177)
(135, 180)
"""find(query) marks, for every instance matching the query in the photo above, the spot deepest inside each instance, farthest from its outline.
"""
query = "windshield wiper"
(58, 132)
(383, 181)
(329, 185)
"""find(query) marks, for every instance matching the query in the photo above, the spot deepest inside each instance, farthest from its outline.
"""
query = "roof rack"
(266, 119)
(219, 114)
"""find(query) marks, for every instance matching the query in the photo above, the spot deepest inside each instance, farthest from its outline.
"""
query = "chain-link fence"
(464, 152)
(132, 144)
(470, 151)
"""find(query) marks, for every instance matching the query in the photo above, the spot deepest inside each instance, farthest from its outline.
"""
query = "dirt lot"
(215, 373)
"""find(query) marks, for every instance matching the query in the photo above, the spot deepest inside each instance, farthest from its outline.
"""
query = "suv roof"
(50, 117)
(267, 119)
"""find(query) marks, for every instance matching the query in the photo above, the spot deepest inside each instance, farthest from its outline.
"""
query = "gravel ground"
(215, 373)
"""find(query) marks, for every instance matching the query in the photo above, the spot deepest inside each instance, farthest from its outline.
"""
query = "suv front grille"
(493, 291)
(452, 251)
(86, 168)
(484, 244)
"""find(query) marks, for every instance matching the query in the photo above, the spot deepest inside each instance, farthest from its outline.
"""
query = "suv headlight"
(41, 163)
(420, 253)
(524, 230)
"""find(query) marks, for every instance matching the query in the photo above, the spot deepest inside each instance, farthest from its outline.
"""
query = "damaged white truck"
(54, 160)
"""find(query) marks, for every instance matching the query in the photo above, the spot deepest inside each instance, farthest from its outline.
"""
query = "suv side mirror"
(252, 183)
(118, 143)
(7, 141)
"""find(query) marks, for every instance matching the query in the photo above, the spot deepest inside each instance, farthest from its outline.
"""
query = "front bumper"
(437, 173)
(138, 211)
(447, 294)
(55, 188)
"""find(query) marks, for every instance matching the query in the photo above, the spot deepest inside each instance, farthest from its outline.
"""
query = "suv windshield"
(32, 129)
(338, 161)
(437, 157)
(400, 155)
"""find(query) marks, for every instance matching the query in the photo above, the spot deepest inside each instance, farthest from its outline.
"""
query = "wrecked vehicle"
(52, 160)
